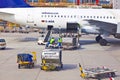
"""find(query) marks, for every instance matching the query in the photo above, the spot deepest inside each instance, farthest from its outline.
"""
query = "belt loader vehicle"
(51, 59)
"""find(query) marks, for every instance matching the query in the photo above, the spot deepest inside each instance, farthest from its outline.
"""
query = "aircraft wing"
(104, 27)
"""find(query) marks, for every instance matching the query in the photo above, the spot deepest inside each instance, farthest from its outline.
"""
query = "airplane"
(105, 21)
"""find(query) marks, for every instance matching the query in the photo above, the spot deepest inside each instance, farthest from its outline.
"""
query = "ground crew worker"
(52, 40)
(59, 42)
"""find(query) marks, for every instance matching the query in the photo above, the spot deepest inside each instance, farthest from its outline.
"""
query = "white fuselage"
(58, 17)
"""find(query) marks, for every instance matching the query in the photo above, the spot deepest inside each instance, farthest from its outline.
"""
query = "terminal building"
(62, 2)
(116, 4)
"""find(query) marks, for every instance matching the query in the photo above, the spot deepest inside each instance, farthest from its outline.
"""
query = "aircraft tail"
(13, 4)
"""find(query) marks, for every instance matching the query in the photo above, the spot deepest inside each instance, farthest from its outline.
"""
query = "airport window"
(32, 0)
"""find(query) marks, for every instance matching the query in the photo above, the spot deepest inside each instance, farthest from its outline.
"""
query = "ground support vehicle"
(2, 44)
(41, 41)
(70, 43)
(97, 72)
(51, 59)
(26, 60)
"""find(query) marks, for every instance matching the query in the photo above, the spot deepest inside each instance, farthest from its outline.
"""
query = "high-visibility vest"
(52, 40)
(60, 40)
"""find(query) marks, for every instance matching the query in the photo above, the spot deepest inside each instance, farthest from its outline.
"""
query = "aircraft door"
(29, 19)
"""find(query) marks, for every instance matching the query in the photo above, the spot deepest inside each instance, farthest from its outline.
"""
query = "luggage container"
(26, 60)
(51, 59)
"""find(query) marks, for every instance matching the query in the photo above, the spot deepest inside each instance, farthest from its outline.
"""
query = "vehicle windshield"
(2, 40)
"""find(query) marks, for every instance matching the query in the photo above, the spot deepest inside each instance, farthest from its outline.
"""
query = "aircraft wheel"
(98, 38)
(103, 42)
(113, 74)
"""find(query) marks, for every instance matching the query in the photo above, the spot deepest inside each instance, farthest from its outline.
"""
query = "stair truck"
(51, 59)
(26, 60)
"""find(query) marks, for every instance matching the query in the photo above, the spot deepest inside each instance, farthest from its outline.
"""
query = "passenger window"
(51, 15)
(74, 16)
(110, 17)
(113, 17)
(81, 16)
(64, 16)
(107, 17)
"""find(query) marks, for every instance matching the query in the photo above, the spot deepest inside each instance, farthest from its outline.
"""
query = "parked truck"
(51, 59)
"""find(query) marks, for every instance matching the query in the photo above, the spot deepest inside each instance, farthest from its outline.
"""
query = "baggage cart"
(51, 59)
(26, 60)
(98, 72)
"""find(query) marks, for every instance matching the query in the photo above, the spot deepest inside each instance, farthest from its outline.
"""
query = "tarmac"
(91, 54)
